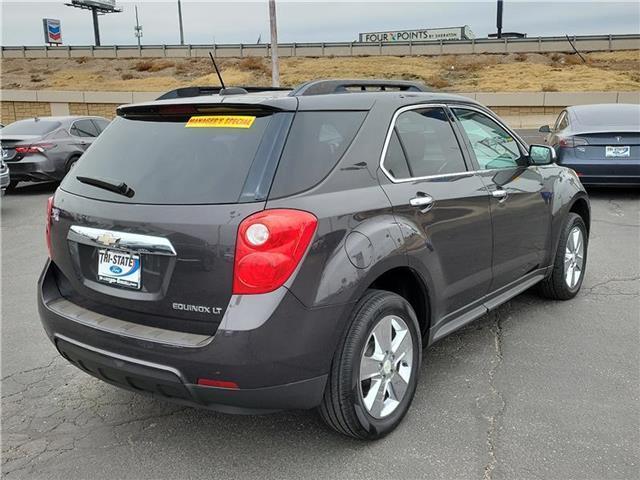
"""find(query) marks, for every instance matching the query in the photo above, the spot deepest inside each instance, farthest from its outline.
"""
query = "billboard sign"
(102, 4)
(52, 31)
(419, 35)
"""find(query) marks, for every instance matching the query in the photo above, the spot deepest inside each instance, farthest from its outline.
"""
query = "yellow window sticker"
(221, 121)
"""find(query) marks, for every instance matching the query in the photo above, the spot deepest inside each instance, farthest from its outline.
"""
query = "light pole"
(275, 64)
(180, 20)
(138, 28)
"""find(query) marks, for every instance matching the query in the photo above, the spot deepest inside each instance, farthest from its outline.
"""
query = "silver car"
(4, 176)
(46, 148)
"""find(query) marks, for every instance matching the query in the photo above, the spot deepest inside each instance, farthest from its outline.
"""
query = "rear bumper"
(168, 383)
(279, 365)
(34, 168)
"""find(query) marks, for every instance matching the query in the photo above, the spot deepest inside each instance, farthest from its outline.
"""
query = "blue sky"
(310, 21)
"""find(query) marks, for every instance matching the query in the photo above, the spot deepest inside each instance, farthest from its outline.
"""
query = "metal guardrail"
(326, 49)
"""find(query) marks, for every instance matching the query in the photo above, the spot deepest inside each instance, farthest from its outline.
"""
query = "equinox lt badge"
(196, 308)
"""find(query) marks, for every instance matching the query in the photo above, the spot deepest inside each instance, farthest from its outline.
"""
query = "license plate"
(618, 151)
(119, 268)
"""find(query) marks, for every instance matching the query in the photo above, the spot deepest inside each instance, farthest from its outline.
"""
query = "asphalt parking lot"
(535, 389)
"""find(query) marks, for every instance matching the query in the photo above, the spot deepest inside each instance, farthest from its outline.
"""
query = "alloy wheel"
(386, 366)
(574, 257)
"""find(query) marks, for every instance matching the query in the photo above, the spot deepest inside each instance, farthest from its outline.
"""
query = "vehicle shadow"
(34, 188)
(615, 193)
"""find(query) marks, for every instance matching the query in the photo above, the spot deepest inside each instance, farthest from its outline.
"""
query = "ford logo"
(115, 269)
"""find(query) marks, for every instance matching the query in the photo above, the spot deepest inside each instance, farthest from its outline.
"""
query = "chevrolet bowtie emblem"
(107, 239)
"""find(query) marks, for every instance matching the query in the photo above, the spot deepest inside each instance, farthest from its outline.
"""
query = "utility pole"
(180, 20)
(499, 19)
(275, 64)
(138, 29)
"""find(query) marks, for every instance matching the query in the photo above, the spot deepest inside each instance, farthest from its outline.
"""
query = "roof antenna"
(217, 71)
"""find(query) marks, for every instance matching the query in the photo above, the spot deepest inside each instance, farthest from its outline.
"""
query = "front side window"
(492, 145)
(425, 138)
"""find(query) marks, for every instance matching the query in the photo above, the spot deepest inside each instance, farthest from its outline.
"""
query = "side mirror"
(545, 129)
(542, 155)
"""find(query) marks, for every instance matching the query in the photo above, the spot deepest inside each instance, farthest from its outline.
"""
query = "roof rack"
(325, 87)
(201, 91)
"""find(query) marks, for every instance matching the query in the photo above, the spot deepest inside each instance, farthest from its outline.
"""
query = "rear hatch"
(158, 249)
(609, 146)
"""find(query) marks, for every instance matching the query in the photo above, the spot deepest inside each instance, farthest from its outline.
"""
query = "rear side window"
(426, 138)
(316, 142)
(30, 127)
(101, 124)
(166, 162)
(83, 128)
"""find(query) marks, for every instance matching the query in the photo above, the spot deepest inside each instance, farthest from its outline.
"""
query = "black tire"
(342, 407)
(69, 165)
(13, 184)
(554, 286)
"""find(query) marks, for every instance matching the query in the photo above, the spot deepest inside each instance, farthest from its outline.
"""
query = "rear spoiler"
(186, 92)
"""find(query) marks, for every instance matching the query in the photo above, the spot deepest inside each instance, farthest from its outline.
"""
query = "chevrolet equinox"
(253, 251)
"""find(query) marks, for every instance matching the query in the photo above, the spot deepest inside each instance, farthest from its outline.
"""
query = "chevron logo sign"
(52, 31)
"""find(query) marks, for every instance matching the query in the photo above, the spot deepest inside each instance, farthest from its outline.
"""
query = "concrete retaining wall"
(588, 43)
(520, 110)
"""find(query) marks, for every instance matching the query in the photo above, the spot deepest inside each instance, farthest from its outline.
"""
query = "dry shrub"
(520, 57)
(255, 64)
(143, 65)
(128, 76)
(36, 79)
(548, 87)
(437, 81)
(183, 68)
(573, 59)
(82, 60)
(159, 65)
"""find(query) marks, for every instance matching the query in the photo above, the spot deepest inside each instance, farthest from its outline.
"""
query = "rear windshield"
(29, 127)
(609, 115)
(189, 160)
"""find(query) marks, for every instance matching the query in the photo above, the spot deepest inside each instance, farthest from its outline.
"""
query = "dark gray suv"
(252, 252)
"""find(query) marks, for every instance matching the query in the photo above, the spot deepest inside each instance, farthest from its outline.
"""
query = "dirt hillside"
(463, 73)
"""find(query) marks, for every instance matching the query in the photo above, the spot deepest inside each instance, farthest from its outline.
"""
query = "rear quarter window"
(315, 144)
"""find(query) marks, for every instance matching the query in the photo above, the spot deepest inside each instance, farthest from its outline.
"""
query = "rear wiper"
(121, 188)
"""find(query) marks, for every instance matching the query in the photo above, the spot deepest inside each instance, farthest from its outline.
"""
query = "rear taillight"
(572, 142)
(47, 227)
(269, 247)
(35, 148)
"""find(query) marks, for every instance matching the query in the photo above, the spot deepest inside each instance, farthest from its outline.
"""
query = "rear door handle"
(425, 202)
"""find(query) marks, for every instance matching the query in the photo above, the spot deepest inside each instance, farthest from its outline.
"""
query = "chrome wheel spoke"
(401, 344)
(369, 368)
(399, 386)
(382, 335)
(376, 398)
